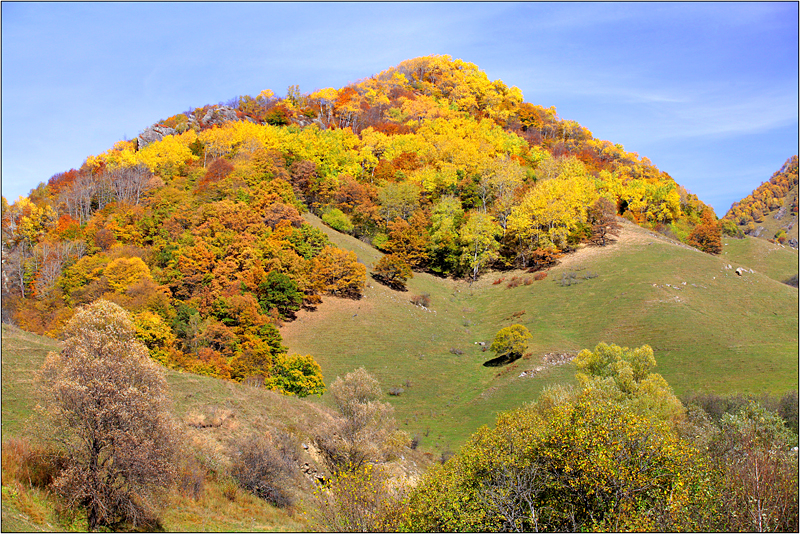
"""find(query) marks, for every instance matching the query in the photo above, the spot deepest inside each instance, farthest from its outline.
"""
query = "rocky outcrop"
(153, 134)
(219, 115)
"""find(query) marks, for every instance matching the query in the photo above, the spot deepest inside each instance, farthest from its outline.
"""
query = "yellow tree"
(551, 211)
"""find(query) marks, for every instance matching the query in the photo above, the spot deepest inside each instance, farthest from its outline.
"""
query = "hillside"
(711, 329)
(212, 417)
(770, 211)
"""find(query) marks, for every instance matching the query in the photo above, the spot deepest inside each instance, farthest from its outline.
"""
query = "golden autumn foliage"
(430, 160)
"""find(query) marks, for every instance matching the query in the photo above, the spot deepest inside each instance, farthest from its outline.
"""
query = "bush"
(514, 282)
(35, 465)
(338, 220)
(263, 466)
(423, 300)
(361, 500)
(583, 463)
(392, 271)
(362, 431)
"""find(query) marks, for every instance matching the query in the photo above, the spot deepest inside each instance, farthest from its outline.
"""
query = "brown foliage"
(120, 450)
(543, 258)
(603, 218)
(707, 236)
(361, 431)
(277, 212)
(263, 465)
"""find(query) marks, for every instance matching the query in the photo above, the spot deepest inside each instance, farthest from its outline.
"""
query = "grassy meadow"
(711, 329)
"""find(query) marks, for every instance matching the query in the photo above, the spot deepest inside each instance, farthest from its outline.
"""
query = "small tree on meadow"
(392, 271)
(106, 405)
(511, 342)
(707, 236)
(603, 218)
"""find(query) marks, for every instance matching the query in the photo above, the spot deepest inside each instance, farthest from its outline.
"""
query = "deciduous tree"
(107, 404)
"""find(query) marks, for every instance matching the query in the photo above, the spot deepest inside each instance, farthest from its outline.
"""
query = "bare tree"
(129, 183)
(106, 406)
(362, 431)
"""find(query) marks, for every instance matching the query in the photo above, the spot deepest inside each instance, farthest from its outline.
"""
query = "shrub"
(392, 271)
(541, 275)
(191, 476)
(585, 463)
(361, 432)
(422, 300)
(760, 491)
(514, 282)
(457, 352)
(263, 466)
(338, 220)
(297, 375)
(361, 500)
(32, 464)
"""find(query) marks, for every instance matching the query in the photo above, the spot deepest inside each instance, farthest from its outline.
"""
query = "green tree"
(626, 376)
(106, 402)
(280, 292)
(570, 462)
(478, 239)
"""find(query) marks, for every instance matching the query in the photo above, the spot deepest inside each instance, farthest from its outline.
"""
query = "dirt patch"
(551, 359)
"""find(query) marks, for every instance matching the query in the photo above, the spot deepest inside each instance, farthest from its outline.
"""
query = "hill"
(770, 211)
(712, 330)
(195, 227)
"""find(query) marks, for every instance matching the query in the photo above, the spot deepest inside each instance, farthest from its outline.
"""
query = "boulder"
(739, 271)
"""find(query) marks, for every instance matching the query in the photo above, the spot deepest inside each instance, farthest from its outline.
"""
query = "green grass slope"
(711, 330)
(776, 261)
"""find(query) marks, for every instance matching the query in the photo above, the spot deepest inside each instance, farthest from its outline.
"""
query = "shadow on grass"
(504, 359)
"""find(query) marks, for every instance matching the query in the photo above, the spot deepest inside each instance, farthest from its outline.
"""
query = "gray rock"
(153, 134)
(219, 115)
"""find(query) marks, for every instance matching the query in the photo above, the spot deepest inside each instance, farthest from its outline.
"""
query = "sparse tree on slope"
(106, 401)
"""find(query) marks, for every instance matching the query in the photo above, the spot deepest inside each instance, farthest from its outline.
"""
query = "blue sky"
(707, 91)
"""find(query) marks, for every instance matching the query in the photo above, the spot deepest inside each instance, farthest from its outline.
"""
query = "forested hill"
(196, 226)
(769, 212)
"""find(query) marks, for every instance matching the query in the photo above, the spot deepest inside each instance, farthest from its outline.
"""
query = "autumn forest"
(195, 227)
